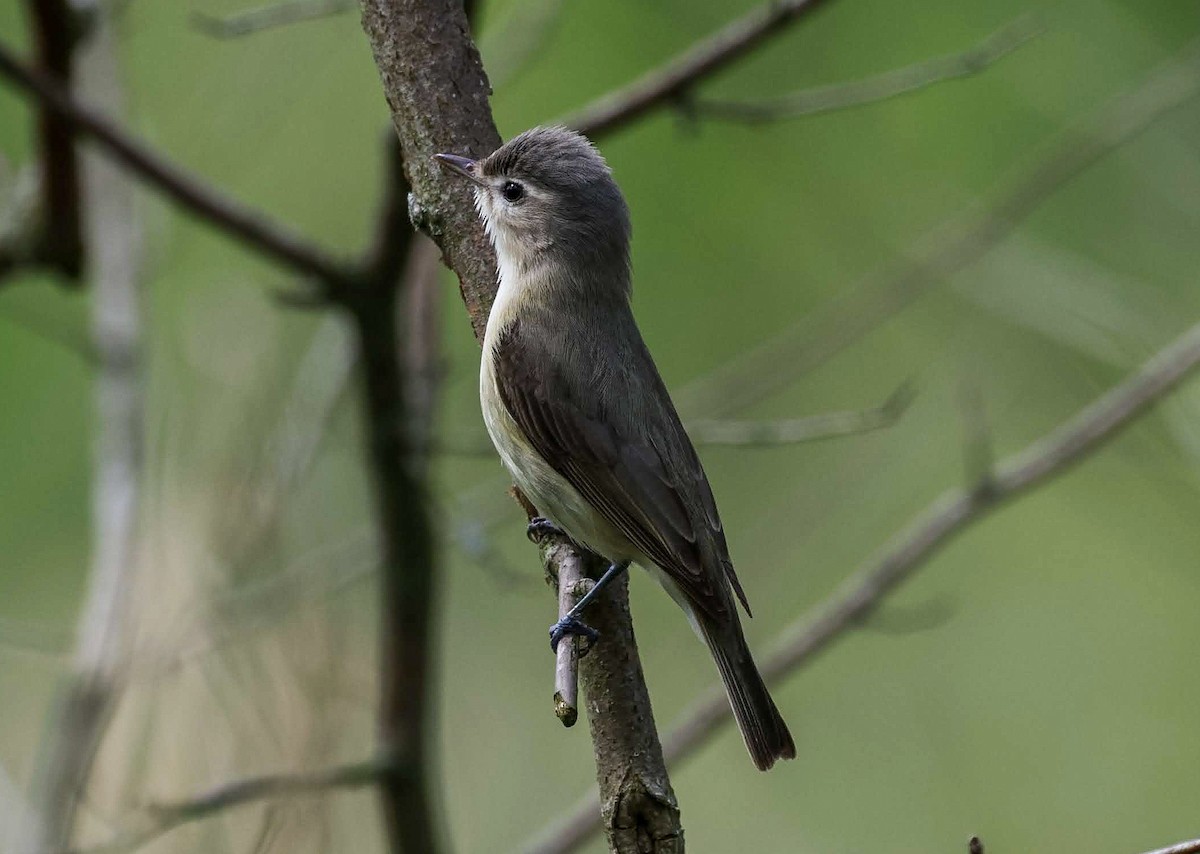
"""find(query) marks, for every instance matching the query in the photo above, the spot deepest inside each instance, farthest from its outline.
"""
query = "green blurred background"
(1034, 684)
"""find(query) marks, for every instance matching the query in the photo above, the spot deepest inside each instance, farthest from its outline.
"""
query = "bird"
(578, 412)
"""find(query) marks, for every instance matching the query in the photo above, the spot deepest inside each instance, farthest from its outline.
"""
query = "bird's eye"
(512, 191)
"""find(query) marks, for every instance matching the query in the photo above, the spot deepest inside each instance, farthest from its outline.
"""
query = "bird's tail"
(766, 735)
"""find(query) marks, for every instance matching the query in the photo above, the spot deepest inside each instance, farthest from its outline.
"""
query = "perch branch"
(947, 517)
(235, 219)
(881, 87)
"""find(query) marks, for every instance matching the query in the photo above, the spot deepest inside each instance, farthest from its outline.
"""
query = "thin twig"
(753, 434)
(947, 517)
(673, 79)
(269, 17)
(881, 87)
(572, 586)
(829, 425)
(235, 219)
(162, 818)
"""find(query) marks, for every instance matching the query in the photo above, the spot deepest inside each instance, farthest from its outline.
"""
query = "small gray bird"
(578, 412)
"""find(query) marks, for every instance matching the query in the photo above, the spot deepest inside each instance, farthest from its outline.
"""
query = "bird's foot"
(540, 528)
(570, 625)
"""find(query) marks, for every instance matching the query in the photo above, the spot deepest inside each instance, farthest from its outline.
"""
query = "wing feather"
(628, 480)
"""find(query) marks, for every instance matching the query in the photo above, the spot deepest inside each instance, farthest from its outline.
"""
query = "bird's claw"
(540, 527)
(569, 625)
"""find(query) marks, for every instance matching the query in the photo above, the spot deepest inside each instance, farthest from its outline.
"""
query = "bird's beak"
(464, 166)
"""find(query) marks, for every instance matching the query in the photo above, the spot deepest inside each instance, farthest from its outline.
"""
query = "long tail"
(766, 735)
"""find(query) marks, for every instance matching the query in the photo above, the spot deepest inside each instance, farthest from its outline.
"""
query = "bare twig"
(269, 17)
(947, 517)
(572, 586)
(881, 87)
(235, 219)
(953, 245)
(674, 78)
(162, 818)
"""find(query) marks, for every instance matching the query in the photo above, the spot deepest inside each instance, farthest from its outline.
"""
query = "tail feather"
(766, 735)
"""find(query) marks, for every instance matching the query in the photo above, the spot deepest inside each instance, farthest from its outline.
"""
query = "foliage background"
(1033, 685)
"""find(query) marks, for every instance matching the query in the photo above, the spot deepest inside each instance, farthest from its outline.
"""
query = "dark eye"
(512, 191)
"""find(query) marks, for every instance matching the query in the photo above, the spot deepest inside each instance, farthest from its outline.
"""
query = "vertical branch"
(61, 231)
(397, 413)
(89, 694)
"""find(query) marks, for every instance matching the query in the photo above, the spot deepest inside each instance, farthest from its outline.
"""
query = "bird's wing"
(618, 471)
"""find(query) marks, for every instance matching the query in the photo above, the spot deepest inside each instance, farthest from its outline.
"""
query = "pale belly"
(550, 492)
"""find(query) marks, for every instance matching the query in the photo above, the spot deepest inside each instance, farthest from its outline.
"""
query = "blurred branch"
(510, 48)
(269, 17)
(673, 79)
(43, 228)
(1189, 847)
(90, 693)
(755, 434)
(830, 425)
(235, 219)
(167, 816)
(56, 27)
(881, 87)
(908, 551)
(956, 243)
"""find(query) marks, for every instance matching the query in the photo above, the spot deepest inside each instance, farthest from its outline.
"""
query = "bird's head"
(548, 195)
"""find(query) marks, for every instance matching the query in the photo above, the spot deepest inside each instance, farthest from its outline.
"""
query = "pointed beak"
(464, 166)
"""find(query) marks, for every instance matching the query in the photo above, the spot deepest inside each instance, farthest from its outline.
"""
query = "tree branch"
(881, 87)
(947, 517)
(235, 219)
(672, 80)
